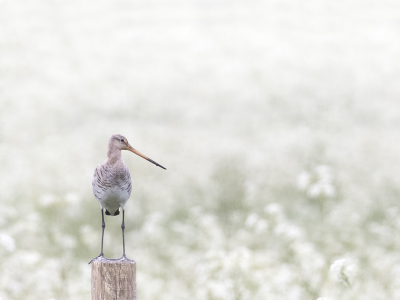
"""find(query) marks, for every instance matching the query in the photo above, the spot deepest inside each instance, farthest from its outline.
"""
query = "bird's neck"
(113, 155)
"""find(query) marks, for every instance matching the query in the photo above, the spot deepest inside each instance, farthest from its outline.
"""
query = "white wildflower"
(324, 172)
(344, 270)
(328, 190)
(261, 225)
(7, 242)
(153, 223)
(89, 235)
(195, 211)
(47, 200)
(321, 189)
(314, 191)
(288, 231)
(317, 184)
(72, 198)
(251, 220)
(303, 180)
(238, 258)
(392, 212)
(68, 241)
(29, 257)
(273, 209)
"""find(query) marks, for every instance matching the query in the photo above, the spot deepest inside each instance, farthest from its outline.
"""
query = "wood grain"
(113, 279)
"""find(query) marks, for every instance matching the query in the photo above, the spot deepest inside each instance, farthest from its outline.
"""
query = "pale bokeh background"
(278, 122)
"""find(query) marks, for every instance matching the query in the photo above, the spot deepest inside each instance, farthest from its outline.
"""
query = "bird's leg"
(123, 233)
(103, 225)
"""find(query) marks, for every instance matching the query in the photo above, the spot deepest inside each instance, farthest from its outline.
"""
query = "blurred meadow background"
(278, 122)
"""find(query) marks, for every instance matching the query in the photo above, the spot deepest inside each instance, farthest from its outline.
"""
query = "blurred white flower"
(303, 180)
(288, 231)
(251, 220)
(255, 222)
(344, 270)
(314, 191)
(207, 221)
(392, 212)
(89, 235)
(29, 257)
(317, 184)
(221, 288)
(328, 190)
(65, 241)
(196, 211)
(251, 189)
(152, 226)
(283, 275)
(381, 231)
(68, 241)
(7, 242)
(273, 209)
(310, 260)
(238, 258)
(47, 199)
(261, 225)
(222, 272)
(182, 228)
(72, 198)
(324, 172)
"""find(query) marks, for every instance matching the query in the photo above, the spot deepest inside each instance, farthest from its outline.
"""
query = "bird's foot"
(124, 258)
(100, 257)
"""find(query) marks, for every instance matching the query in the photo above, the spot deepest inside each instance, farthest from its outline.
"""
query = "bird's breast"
(112, 186)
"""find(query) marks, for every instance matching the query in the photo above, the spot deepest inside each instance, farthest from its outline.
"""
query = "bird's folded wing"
(100, 182)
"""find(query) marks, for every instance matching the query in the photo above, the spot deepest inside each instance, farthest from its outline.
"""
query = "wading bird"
(112, 184)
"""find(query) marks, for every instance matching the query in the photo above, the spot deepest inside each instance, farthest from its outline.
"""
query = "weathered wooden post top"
(113, 279)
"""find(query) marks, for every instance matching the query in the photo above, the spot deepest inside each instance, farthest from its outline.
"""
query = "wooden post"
(113, 279)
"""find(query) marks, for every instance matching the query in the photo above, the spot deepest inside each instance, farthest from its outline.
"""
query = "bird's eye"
(122, 140)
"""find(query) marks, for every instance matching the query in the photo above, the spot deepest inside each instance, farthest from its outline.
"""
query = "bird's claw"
(124, 258)
(100, 257)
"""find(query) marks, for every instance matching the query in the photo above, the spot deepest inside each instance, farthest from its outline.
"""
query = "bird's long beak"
(130, 148)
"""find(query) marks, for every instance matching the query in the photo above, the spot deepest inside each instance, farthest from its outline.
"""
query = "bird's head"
(120, 142)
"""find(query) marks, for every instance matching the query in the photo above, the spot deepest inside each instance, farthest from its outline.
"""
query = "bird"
(112, 184)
